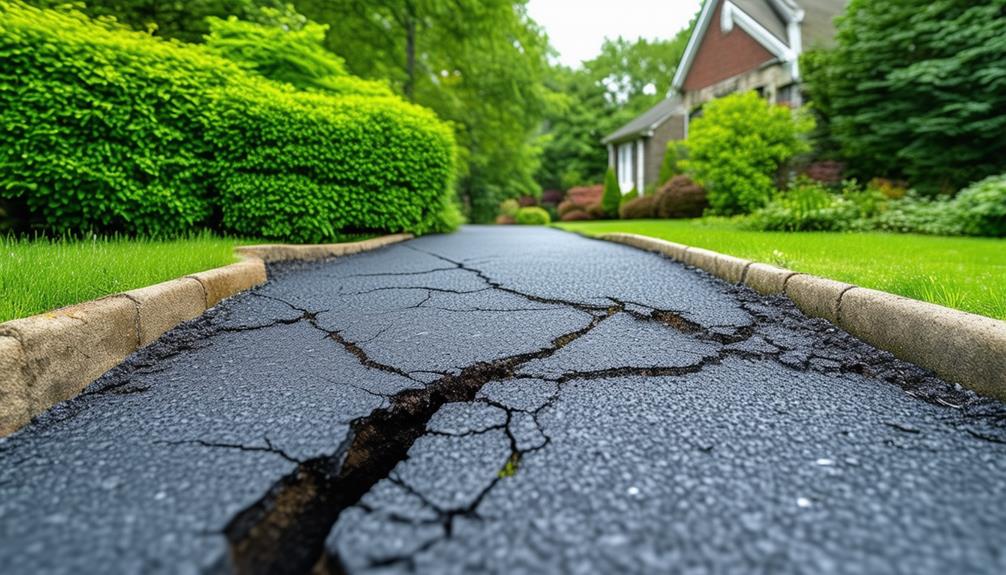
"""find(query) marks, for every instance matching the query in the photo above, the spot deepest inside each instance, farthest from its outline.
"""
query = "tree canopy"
(917, 91)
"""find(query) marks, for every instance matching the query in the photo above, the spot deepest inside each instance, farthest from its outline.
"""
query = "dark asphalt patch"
(507, 400)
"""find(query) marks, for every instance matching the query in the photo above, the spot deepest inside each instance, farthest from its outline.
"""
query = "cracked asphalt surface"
(513, 400)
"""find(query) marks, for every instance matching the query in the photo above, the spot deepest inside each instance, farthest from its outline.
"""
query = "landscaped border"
(51, 357)
(960, 347)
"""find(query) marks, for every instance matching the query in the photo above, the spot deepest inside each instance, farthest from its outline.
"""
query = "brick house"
(736, 46)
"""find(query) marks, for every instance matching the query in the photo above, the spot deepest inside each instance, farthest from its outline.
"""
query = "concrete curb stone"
(767, 279)
(15, 404)
(970, 348)
(960, 347)
(51, 357)
(816, 297)
(66, 349)
(163, 306)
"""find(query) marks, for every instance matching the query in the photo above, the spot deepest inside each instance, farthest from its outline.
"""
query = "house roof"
(647, 121)
(768, 22)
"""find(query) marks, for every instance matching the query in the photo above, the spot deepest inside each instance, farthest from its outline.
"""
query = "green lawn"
(40, 275)
(963, 273)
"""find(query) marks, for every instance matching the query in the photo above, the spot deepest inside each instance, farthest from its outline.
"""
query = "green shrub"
(533, 216)
(681, 197)
(300, 166)
(919, 215)
(638, 209)
(101, 127)
(633, 194)
(110, 130)
(612, 196)
(509, 208)
(737, 147)
(981, 208)
(674, 155)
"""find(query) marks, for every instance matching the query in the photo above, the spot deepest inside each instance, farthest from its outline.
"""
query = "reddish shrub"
(681, 197)
(825, 171)
(595, 211)
(567, 206)
(638, 209)
(583, 196)
(505, 220)
(551, 196)
(527, 201)
(576, 215)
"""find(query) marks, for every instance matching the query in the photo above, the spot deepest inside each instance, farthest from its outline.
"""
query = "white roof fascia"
(732, 15)
(693, 44)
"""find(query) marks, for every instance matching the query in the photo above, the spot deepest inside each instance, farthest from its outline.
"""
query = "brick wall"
(721, 56)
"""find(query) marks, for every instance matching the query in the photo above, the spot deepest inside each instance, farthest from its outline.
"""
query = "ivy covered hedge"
(106, 129)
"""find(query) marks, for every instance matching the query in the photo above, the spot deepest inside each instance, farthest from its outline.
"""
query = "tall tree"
(624, 80)
(918, 90)
(480, 64)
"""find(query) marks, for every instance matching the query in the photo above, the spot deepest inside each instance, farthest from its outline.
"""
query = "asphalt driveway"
(516, 400)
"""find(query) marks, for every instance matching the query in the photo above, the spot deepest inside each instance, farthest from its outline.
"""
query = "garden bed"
(962, 273)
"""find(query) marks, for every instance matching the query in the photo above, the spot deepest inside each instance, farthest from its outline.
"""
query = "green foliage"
(294, 55)
(479, 64)
(624, 80)
(533, 216)
(918, 91)
(633, 194)
(807, 206)
(509, 208)
(186, 20)
(291, 166)
(101, 126)
(612, 196)
(981, 208)
(675, 154)
(111, 130)
(737, 147)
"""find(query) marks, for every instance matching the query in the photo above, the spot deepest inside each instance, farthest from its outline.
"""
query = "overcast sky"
(577, 28)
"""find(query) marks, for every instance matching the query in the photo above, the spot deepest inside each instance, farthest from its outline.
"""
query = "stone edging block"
(51, 357)
(958, 346)
(270, 253)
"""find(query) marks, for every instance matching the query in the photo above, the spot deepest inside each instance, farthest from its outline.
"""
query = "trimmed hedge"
(110, 130)
(681, 197)
(533, 216)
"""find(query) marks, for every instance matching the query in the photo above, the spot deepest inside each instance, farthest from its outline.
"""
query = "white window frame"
(624, 169)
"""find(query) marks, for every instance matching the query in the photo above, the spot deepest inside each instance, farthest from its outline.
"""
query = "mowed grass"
(38, 275)
(963, 273)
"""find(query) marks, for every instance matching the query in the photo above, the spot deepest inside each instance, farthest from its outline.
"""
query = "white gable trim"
(693, 44)
(732, 15)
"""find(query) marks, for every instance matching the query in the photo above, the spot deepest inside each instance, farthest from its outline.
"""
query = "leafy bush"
(110, 130)
(638, 209)
(674, 155)
(612, 195)
(583, 196)
(981, 208)
(576, 215)
(919, 215)
(633, 194)
(101, 127)
(302, 166)
(681, 197)
(810, 206)
(533, 216)
(505, 220)
(737, 147)
(509, 208)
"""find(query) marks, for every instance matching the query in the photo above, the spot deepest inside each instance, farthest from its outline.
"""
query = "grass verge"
(38, 275)
(963, 273)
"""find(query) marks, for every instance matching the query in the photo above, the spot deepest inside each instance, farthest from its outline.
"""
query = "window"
(624, 168)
